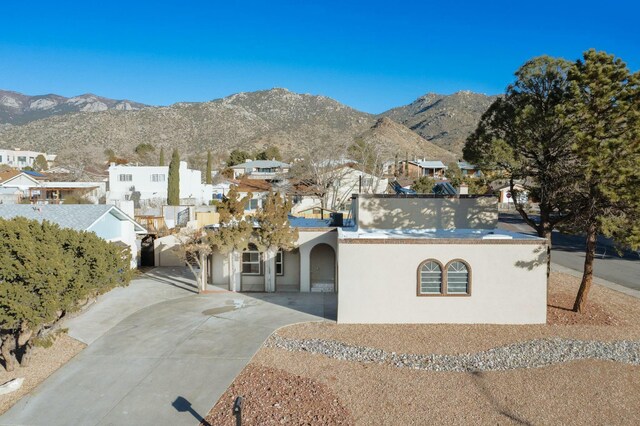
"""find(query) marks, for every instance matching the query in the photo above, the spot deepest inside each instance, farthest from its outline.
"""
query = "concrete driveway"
(164, 364)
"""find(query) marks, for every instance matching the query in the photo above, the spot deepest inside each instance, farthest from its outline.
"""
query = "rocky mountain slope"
(434, 126)
(395, 139)
(16, 108)
(445, 121)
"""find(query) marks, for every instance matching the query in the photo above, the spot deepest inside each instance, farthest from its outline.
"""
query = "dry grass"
(580, 392)
(43, 364)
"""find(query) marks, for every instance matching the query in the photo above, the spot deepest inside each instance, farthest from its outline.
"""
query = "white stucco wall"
(378, 284)
(191, 186)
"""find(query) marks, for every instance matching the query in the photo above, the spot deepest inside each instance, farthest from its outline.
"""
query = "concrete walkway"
(164, 364)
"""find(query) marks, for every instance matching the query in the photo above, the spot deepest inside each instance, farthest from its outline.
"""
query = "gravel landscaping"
(576, 369)
(272, 396)
(530, 354)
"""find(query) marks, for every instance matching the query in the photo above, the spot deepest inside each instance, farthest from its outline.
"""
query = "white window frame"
(125, 177)
(158, 177)
(251, 262)
(280, 262)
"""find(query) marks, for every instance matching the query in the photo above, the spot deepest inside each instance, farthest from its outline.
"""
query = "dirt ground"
(579, 392)
(43, 364)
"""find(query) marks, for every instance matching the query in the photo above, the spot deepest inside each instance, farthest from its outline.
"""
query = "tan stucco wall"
(163, 254)
(426, 213)
(378, 284)
(307, 240)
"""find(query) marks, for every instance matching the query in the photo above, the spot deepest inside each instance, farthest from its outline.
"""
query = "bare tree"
(193, 248)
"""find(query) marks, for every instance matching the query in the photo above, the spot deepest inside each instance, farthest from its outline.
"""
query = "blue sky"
(369, 55)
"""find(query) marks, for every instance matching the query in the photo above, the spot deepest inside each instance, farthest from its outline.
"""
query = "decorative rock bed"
(528, 354)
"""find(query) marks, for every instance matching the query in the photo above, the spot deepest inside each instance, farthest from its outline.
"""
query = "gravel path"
(529, 354)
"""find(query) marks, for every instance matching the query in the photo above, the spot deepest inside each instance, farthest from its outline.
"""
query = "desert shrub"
(45, 273)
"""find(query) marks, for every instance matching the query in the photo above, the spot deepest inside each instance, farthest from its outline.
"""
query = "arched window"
(457, 277)
(430, 277)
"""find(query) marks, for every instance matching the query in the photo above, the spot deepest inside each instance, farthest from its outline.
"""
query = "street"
(568, 251)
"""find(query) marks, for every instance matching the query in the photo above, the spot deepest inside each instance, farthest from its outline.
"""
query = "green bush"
(45, 273)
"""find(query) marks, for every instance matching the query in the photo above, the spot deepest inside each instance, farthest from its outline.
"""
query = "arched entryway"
(323, 268)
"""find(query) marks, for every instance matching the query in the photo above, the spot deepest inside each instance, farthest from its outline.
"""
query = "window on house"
(22, 159)
(252, 204)
(251, 264)
(457, 278)
(430, 277)
(453, 280)
(280, 263)
(367, 181)
(125, 178)
(157, 178)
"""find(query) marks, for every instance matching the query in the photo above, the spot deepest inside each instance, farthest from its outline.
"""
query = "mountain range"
(16, 108)
(81, 128)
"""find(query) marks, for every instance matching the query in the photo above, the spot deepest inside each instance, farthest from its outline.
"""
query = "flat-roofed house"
(261, 169)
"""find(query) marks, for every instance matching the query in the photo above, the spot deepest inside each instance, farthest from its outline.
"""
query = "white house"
(505, 197)
(107, 221)
(21, 158)
(150, 183)
(261, 169)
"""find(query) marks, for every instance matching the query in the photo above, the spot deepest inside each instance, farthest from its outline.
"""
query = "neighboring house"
(505, 197)
(468, 169)
(418, 168)
(261, 169)
(36, 187)
(107, 221)
(148, 185)
(20, 158)
(258, 188)
(340, 184)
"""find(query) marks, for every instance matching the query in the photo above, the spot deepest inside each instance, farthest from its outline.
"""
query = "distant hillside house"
(21, 159)
(418, 168)
(147, 185)
(468, 169)
(261, 169)
(107, 221)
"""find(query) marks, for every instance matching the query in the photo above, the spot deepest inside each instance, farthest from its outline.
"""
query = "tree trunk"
(547, 236)
(8, 344)
(203, 273)
(27, 355)
(235, 276)
(270, 270)
(587, 276)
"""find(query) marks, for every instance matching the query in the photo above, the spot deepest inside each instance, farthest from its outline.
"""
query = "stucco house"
(409, 259)
(23, 158)
(150, 183)
(107, 221)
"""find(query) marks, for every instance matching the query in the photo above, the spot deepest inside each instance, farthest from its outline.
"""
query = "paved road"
(167, 363)
(568, 251)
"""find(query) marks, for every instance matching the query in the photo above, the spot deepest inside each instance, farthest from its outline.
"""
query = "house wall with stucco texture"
(378, 283)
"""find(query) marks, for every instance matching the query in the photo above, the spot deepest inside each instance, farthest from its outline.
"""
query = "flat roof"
(463, 235)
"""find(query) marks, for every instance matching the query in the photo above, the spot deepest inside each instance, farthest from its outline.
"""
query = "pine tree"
(274, 233)
(234, 234)
(40, 163)
(207, 178)
(173, 184)
(161, 162)
(523, 136)
(604, 113)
